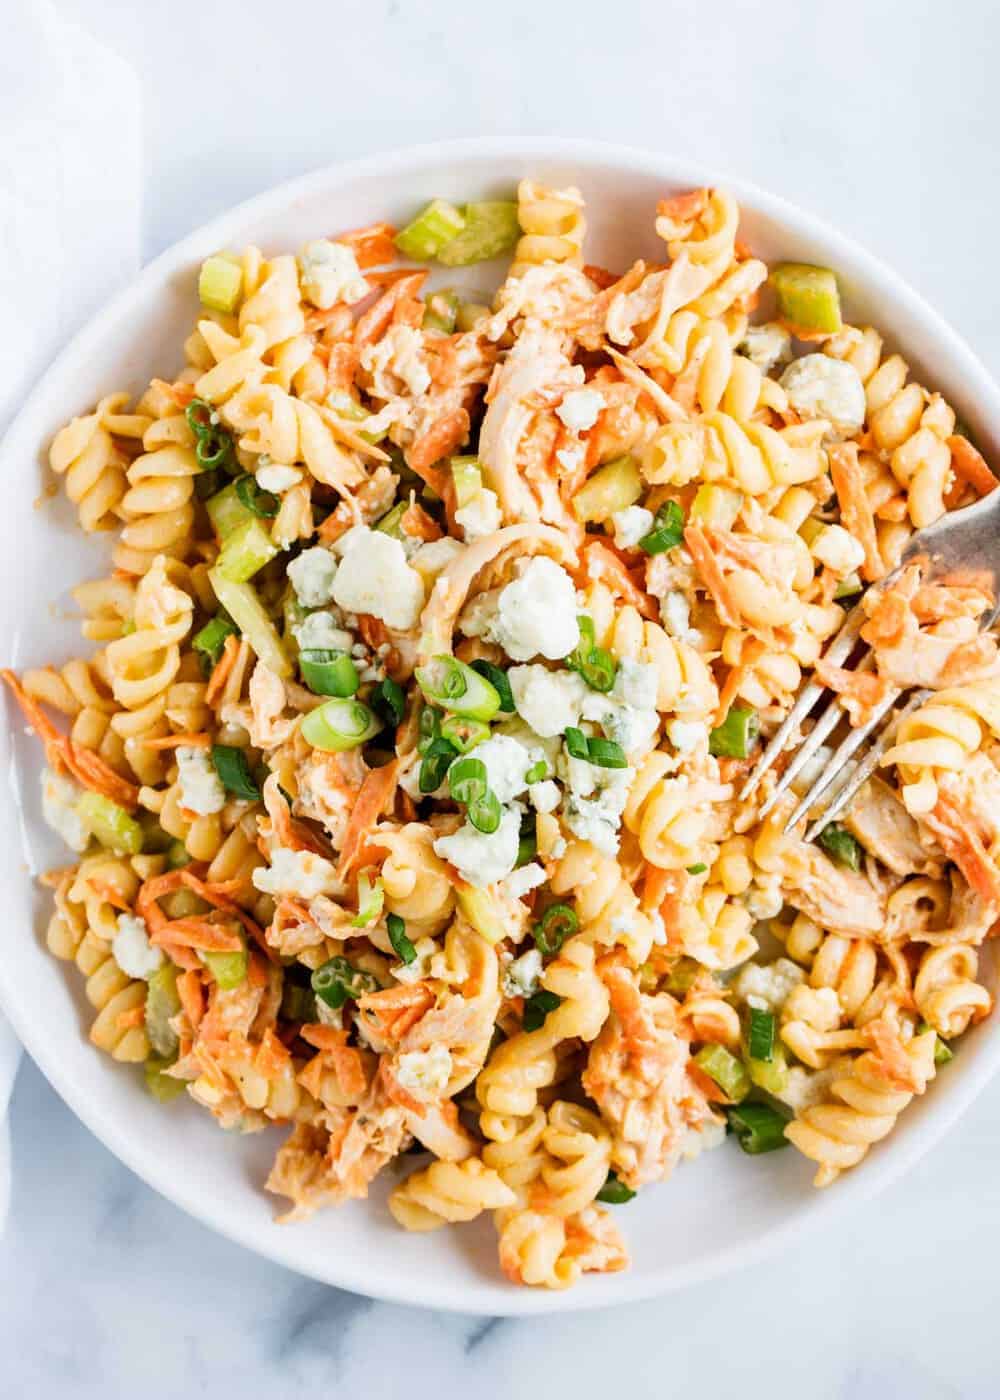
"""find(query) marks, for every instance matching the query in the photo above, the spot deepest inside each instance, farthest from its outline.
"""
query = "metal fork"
(964, 541)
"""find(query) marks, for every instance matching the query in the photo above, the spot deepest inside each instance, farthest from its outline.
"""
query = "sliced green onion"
(110, 824)
(698, 868)
(942, 1052)
(605, 753)
(257, 501)
(758, 1127)
(467, 779)
(735, 736)
(614, 1192)
(337, 981)
(162, 1005)
(163, 1087)
(667, 531)
(536, 1009)
(211, 640)
(389, 701)
(597, 666)
(467, 479)
(401, 945)
(527, 841)
(491, 228)
(438, 757)
(760, 1035)
(241, 602)
(371, 898)
(245, 552)
(434, 227)
(234, 772)
(329, 672)
(848, 587)
(840, 845)
(457, 687)
(428, 728)
(558, 923)
(228, 969)
(725, 1070)
(465, 734)
(220, 282)
(498, 680)
(576, 743)
(213, 443)
(537, 772)
(441, 312)
(485, 812)
(207, 483)
(339, 724)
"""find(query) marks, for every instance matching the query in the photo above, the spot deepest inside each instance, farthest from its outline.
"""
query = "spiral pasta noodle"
(553, 226)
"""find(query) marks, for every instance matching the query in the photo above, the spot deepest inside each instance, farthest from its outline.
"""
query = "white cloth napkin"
(70, 223)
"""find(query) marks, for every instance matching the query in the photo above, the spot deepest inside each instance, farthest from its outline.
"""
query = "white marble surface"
(881, 116)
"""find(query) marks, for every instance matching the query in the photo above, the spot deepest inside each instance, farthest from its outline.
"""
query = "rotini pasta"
(404, 783)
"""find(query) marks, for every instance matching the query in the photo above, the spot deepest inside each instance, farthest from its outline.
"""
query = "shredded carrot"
(218, 894)
(136, 1016)
(341, 367)
(395, 1092)
(417, 523)
(108, 893)
(396, 1010)
(223, 667)
(374, 798)
(600, 276)
(372, 245)
(373, 324)
(444, 436)
(199, 933)
(855, 507)
(657, 885)
(711, 575)
(686, 207)
(181, 393)
(191, 991)
(971, 466)
(601, 561)
(372, 630)
(87, 767)
(173, 741)
(753, 650)
(861, 690)
(708, 1087)
(963, 845)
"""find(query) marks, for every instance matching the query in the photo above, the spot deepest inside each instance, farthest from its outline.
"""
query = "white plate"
(714, 1216)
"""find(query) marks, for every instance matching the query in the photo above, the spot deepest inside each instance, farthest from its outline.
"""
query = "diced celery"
(467, 477)
(227, 512)
(245, 608)
(717, 506)
(162, 1005)
(345, 407)
(441, 311)
(220, 282)
(479, 909)
(491, 228)
(228, 969)
(725, 1070)
(613, 487)
(437, 224)
(163, 1087)
(771, 1075)
(371, 897)
(110, 824)
(807, 296)
(811, 528)
(391, 522)
(847, 587)
(246, 551)
(682, 976)
(469, 313)
(178, 855)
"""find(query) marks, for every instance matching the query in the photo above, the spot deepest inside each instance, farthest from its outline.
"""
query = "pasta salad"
(405, 785)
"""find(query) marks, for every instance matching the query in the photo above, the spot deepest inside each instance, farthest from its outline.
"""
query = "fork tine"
(838, 651)
(849, 745)
(813, 741)
(866, 767)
